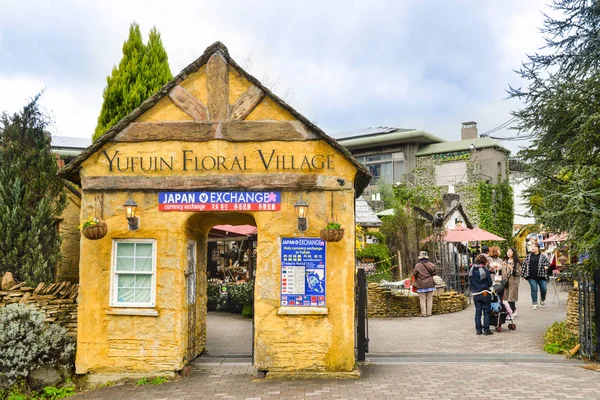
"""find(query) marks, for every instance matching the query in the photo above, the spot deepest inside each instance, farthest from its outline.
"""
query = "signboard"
(219, 201)
(369, 265)
(302, 272)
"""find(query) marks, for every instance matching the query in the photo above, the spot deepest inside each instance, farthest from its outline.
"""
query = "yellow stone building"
(68, 224)
(213, 128)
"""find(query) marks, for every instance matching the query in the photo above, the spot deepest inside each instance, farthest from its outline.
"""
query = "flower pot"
(95, 232)
(332, 235)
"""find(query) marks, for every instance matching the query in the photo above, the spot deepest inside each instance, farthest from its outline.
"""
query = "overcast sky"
(420, 64)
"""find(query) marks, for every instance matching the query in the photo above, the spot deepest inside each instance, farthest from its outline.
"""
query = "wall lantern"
(301, 209)
(130, 209)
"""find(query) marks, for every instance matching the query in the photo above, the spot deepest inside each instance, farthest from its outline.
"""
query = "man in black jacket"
(480, 280)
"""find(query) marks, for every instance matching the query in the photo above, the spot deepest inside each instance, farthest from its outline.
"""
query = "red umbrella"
(461, 234)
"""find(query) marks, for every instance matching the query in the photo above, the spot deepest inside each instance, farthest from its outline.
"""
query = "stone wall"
(573, 311)
(58, 301)
(383, 303)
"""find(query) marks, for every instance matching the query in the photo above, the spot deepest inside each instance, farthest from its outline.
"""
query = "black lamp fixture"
(130, 209)
(301, 207)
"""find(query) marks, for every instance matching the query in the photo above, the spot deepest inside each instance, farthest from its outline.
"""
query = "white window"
(372, 240)
(133, 282)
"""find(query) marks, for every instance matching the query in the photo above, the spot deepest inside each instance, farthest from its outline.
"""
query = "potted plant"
(333, 232)
(93, 228)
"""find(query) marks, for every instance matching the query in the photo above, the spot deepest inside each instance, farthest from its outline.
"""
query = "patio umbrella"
(561, 237)
(462, 234)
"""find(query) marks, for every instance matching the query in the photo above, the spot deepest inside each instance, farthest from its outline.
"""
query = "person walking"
(511, 272)
(535, 271)
(481, 280)
(423, 273)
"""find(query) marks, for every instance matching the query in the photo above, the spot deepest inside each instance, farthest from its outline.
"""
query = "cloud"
(422, 64)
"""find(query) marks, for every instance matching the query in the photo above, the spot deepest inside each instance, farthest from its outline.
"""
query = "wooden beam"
(167, 131)
(261, 181)
(217, 82)
(188, 103)
(246, 103)
(261, 131)
(234, 131)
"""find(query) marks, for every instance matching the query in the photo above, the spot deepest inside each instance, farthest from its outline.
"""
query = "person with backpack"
(423, 273)
(481, 280)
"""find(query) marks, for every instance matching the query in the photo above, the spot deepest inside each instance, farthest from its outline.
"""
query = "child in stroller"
(500, 309)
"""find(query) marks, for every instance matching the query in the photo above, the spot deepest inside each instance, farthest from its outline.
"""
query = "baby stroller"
(500, 310)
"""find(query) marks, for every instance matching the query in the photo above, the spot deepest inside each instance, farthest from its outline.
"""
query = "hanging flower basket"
(94, 229)
(332, 235)
(333, 232)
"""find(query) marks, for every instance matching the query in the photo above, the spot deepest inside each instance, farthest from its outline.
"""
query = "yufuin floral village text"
(190, 161)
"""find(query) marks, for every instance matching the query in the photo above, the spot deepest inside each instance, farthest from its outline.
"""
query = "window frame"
(114, 274)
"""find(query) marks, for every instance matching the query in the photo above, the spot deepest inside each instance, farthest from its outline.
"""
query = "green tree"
(31, 196)
(143, 70)
(405, 230)
(562, 114)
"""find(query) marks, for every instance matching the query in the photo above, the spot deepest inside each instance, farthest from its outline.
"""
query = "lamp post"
(130, 209)
(301, 207)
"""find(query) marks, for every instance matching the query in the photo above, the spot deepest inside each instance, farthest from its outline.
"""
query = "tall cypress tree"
(143, 70)
(31, 196)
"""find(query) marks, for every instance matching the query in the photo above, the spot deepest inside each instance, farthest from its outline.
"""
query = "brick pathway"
(410, 358)
(455, 333)
(228, 334)
(403, 381)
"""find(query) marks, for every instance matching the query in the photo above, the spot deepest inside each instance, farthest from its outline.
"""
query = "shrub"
(558, 339)
(26, 343)
(241, 294)
(213, 293)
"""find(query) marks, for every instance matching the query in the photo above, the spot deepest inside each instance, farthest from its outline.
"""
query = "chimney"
(469, 130)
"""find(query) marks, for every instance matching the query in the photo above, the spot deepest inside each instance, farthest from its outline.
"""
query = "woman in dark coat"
(511, 272)
(480, 280)
(423, 273)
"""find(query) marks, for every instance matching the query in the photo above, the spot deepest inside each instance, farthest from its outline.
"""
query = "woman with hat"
(423, 273)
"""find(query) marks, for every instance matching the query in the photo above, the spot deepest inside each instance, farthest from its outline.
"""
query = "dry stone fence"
(57, 300)
(384, 302)
(573, 310)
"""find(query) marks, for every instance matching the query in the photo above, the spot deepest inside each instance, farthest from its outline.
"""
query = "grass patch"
(159, 380)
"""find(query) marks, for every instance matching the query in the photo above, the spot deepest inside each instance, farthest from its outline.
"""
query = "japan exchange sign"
(302, 272)
(219, 201)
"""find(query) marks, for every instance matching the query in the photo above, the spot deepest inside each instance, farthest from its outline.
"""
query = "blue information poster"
(302, 272)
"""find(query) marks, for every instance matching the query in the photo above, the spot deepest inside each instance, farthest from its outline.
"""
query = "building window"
(134, 273)
(380, 166)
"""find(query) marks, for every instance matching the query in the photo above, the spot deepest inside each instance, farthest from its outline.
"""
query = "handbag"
(413, 287)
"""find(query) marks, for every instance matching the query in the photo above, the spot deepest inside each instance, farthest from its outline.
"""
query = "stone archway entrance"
(198, 227)
(215, 140)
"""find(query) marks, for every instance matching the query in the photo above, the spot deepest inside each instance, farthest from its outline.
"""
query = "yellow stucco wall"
(68, 267)
(109, 343)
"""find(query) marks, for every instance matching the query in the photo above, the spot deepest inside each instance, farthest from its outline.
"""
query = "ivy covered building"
(475, 168)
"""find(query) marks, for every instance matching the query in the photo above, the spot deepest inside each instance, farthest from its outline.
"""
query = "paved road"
(400, 381)
(455, 333)
(230, 334)
(411, 358)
